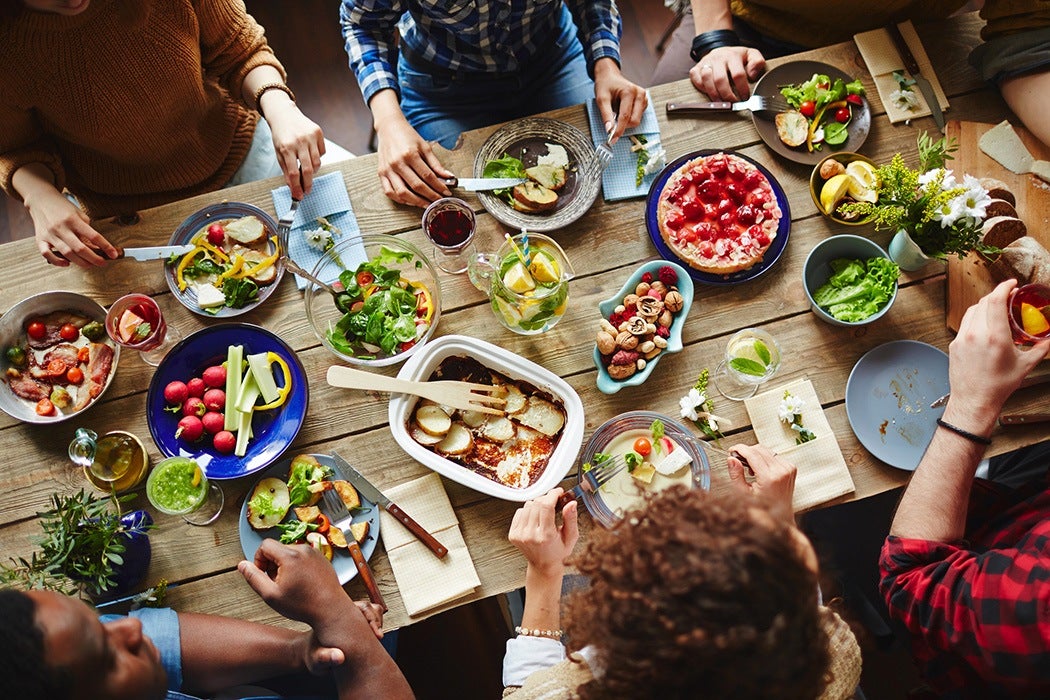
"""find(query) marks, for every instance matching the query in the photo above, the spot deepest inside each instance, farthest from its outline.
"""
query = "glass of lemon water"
(752, 357)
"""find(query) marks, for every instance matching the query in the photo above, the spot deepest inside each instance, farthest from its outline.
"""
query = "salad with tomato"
(822, 109)
(384, 313)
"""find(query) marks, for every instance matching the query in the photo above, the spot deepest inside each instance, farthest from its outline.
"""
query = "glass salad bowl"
(388, 302)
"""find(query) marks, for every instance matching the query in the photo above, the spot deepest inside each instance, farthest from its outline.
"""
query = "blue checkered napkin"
(619, 178)
(327, 198)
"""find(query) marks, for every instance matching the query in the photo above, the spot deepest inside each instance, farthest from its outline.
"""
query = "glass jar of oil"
(117, 461)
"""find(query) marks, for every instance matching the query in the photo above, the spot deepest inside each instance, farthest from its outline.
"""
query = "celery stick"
(260, 366)
(244, 430)
(249, 392)
(234, 356)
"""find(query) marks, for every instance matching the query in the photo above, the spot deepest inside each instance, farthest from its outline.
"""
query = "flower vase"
(136, 557)
(907, 253)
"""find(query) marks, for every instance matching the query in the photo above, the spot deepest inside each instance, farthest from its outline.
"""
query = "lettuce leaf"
(857, 289)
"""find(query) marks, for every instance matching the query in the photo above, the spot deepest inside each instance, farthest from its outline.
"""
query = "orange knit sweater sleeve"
(22, 143)
(232, 45)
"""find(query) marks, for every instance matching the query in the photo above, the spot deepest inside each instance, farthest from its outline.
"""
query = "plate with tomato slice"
(853, 111)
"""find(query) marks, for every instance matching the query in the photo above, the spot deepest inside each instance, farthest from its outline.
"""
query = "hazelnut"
(606, 326)
(659, 342)
(674, 301)
(665, 318)
(642, 289)
(647, 346)
(626, 341)
(650, 307)
(606, 343)
(621, 371)
(658, 286)
(638, 326)
(640, 364)
(630, 300)
(830, 168)
(624, 357)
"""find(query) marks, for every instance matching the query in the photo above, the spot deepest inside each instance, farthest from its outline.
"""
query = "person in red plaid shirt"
(966, 566)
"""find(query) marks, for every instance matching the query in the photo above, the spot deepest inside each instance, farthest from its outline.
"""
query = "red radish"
(215, 376)
(224, 442)
(190, 428)
(193, 407)
(213, 422)
(855, 100)
(215, 399)
(196, 387)
(216, 234)
(176, 393)
(667, 445)
(842, 115)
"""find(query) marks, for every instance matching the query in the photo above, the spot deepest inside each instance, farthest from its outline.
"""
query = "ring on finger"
(705, 67)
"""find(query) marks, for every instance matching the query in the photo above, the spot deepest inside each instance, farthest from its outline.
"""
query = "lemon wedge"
(833, 191)
(517, 279)
(863, 181)
(544, 268)
(1032, 319)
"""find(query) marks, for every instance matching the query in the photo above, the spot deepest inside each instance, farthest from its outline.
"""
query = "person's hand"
(536, 533)
(774, 480)
(64, 234)
(298, 141)
(408, 168)
(984, 365)
(723, 73)
(296, 581)
(620, 102)
(373, 612)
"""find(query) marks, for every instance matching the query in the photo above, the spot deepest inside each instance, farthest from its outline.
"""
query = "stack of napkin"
(882, 58)
(328, 198)
(618, 181)
(822, 472)
(425, 581)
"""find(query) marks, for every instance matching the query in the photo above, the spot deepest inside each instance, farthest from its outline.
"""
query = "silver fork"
(593, 479)
(333, 507)
(755, 103)
(603, 155)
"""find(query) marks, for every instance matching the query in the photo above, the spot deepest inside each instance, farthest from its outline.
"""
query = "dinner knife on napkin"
(375, 495)
(160, 252)
(912, 66)
(479, 184)
(1003, 144)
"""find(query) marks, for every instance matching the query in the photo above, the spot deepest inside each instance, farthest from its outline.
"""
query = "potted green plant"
(89, 547)
(934, 214)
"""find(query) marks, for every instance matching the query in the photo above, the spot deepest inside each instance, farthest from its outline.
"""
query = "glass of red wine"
(449, 224)
(1030, 313)
(135, 321)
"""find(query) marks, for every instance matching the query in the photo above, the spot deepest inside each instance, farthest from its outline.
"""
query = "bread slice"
(275, 492)
(542, 415)
(246, 230)
(535, 196)
(998, 189)
(1001, 231)
(792, 128)
(551, 177)
(266, 275)
(458, 441)
(1025, 260)
(999, 207)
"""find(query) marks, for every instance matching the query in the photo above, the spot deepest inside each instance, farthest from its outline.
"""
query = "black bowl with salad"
(388, 301)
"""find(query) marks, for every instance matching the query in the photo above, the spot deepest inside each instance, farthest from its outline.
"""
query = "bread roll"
(1000, 207)
(1025, 260)
(998, 190)
(1001, 231)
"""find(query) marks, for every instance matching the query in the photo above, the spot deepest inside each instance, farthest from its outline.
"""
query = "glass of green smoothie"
(179, 486)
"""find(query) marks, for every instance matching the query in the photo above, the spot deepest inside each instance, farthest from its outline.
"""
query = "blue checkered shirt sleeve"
(600, 29)
(369, 28)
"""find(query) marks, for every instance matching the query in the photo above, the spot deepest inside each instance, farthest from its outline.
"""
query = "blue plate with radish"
(232, 423)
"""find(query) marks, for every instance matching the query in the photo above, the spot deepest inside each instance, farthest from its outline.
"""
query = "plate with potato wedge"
(285, 505)
(554, 158)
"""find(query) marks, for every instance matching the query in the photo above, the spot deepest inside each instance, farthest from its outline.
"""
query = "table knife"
(160, 252)
(912, 66)
(376, 496)
(478, 184)
(1023, 418)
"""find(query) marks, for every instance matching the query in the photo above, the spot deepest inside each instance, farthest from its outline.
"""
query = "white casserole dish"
(422, 364)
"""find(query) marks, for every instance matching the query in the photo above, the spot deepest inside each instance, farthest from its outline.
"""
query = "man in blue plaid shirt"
(464, 64)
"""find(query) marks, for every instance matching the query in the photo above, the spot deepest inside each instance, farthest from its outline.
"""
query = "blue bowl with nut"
(641, 323)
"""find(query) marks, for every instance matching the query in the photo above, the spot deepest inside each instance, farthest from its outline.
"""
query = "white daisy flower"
(690, 403)
(790, 406)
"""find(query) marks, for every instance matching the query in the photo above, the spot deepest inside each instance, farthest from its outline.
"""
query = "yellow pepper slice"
(186, 261)
(813, 125)
(283, 391)
(428, 300)
(262, 264)
(235, 266)
(201, 241)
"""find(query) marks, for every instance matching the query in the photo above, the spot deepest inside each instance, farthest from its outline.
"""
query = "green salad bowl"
(818, 270)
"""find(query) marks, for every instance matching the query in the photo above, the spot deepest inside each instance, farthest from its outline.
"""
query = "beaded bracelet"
(530, 632)
(716, 38)
(272, 86)
(964, 433)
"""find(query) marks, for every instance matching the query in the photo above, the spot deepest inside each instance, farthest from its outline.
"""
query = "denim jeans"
(440, 107)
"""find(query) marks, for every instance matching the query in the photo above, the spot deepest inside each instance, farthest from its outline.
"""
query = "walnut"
(638, 326)
(626, 341)
(665, 319)
(649, 307)
(642, 289)
(621, 371)
(606, 343)
(624, 357)
(659, 287)
(659, 342)
(830, 168)
(630, 300)
(647, 346)
(674, 301)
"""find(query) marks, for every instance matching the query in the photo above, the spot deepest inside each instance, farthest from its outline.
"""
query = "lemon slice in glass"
(517, 279)
(544, 268)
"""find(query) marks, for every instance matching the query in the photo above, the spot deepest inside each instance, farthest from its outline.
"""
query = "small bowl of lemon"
(841, 178)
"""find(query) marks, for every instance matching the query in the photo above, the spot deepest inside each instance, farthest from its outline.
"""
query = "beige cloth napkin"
(882, 58)
(424, 580)
(822, 471)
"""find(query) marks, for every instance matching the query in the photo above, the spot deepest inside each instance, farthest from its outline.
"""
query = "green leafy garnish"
(142, 332)
(745, 365)
(302, 475)
(239, 292)
(763, 352)
(632, 459)
(294, 531)
(507, 166)
(835, 133)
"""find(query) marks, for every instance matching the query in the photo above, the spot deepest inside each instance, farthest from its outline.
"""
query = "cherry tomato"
(216, 234)
(75, 375)
(855, 100)
(643, 447)
(364, 277)
(842, 115)
(323, 523)
(44, 407)
(36, 330)
(407, 345)
(56, 368)
(808, 109)
(69, 332)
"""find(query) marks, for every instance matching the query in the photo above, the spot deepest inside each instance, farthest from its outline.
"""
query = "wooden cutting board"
(968, 279)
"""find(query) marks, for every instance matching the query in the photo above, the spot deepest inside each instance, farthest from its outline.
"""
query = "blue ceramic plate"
(344, 566)
(192, 225)
(888, 399)
(273, 431)
(608, 385)
(774, 251)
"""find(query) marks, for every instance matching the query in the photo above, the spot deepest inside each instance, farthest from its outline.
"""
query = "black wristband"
(964, 433)
(716, 38)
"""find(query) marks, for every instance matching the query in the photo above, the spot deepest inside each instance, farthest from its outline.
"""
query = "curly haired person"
(693, 593)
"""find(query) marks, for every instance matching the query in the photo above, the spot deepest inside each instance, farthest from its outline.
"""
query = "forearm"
(33, 181)
(542, 599)
(368, 671)
(257, 78)
(1029, 97)
(386, 110)
(934, 504)
(711, 14)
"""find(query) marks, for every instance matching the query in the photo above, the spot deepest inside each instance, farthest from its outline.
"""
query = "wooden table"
(604, 246)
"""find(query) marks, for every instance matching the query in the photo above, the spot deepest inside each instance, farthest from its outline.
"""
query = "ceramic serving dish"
(817, 270)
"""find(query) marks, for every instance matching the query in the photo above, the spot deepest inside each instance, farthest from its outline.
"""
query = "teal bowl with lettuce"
(849, 280)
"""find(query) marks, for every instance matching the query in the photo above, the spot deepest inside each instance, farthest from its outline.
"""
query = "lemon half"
(863, 181)
(833, 191)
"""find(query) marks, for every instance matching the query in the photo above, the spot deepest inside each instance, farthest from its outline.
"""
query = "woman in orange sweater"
(130, 104)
